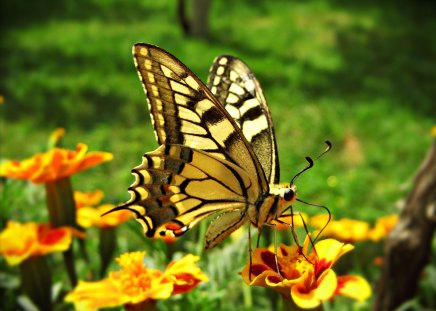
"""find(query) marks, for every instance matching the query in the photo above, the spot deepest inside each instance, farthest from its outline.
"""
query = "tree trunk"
(183, 17)
(200, 18)
(408, 247)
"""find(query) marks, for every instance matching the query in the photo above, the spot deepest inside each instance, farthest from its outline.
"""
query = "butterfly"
(217, 153)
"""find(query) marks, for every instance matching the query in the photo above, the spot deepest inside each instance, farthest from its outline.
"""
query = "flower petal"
(354, 286)
(55, 164)
(310, 295)
(331, 250)
(89, 296)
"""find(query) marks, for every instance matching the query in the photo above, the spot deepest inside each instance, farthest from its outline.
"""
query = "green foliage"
(360, 74)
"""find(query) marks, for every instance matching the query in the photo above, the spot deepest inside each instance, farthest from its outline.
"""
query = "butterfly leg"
(275, 248)
(250, 251)
(294, 234)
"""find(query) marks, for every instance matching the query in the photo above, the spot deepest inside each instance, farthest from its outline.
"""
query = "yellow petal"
(354, 286)
(331, 250)
(89, 296)
(310, 293)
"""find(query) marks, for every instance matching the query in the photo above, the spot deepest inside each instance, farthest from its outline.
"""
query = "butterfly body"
(217, 151)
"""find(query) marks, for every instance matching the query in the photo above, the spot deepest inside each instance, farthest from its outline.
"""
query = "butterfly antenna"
(310, 161)
(326, 150)
(323, 207)
(308, 166)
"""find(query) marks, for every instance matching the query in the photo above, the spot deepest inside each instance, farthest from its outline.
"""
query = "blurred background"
(361, 74)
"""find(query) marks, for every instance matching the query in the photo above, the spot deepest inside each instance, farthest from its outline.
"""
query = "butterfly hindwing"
(236, 87)
(177, 186)
(185, 112)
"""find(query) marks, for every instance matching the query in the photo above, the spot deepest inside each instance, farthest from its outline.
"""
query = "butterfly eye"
(289, 194)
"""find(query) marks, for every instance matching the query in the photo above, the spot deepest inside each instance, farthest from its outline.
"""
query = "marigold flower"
(136, 283)
(54, 164)
(382, 227)
(305, 277)
(88, 198)
(345, 229)
(91, 216)
(20, 241)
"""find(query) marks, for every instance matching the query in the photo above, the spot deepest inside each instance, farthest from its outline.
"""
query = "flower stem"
(106, 248)
(36, 283)
(62, 211)
(69, 263)
(147, 305)
(60, 203)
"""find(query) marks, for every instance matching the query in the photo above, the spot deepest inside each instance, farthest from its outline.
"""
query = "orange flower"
(88, 198)
(305, 277)
(54, 164)
(345, 229)
(20, 241)
(383, 227)
(91, 216)
(136, 283)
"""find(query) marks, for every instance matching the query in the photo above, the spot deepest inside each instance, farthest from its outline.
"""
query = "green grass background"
(361, 74)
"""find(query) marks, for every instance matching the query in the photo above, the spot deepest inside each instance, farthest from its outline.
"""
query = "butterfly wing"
(204, 165)
(177, 186)
(185, 112)
(236, 87)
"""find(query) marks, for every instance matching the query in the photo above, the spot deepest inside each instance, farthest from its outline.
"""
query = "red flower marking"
(274, 279)
(270, 260)
(321, 266)
(283, 250)
(190, 283)
(50, 237)
(257, 269)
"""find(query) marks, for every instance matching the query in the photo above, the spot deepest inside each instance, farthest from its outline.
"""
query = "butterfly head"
(288, 193)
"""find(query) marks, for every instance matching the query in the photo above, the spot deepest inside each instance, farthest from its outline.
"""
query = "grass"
(360, 74)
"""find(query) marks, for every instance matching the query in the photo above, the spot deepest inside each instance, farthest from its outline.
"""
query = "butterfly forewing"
(236, 87)
(185, 112)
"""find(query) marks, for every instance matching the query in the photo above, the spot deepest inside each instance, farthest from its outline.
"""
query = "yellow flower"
(305, 277)
(91, 216)
(184, 274)
(20, 241)
(54, 164)
(88, 198)
(136, 283)
(383, 227)
(350, 230)
(345, 229)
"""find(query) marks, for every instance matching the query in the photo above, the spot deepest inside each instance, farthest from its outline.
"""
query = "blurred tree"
(198, 24)
(410, 242)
